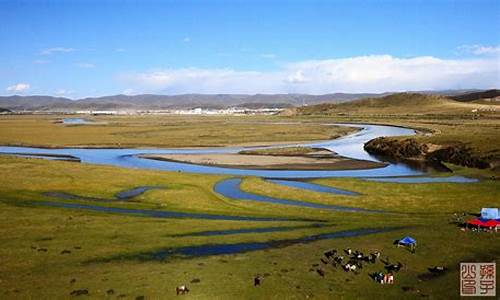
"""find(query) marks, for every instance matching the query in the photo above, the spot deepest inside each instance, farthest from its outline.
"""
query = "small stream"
(221, 249)
(231, 188)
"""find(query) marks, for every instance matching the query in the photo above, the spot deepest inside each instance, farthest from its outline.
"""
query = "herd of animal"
(353, 261)
(349, 261)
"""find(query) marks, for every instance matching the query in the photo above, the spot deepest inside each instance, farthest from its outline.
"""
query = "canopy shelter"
(407, 241)
(487, 223)
(484, 222)
(489, 213)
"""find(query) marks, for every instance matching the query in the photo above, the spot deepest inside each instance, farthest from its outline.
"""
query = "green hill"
(395, 104)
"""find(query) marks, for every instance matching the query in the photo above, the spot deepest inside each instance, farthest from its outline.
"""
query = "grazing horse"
(349, 267)
(394, 267)
(320, 272)
(257, 281)
(378, 277)
(338, 259)
(181, 290)
(328, 254)
(373, 257)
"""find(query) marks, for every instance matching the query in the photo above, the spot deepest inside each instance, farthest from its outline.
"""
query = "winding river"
(350, 146)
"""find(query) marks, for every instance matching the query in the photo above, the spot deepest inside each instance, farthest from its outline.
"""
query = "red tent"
(492, 223)
(484, 223)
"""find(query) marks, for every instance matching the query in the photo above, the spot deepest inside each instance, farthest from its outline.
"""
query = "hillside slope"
(477, 96)
(396, 104)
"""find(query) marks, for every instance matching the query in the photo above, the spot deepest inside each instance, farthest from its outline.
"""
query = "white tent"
(489, 213)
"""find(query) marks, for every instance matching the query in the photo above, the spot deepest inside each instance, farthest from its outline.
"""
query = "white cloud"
(479, 49)
(54, 50)
(194, 80)
(85, 65)
(41, 62)
(18, 87)
(186, 39)
(296, 77)
(374, 73)
(121, 50)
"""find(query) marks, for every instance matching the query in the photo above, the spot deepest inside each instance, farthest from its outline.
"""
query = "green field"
(107, 249)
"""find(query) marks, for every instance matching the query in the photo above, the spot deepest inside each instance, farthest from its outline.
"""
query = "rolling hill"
(488, 96)
(395, 104)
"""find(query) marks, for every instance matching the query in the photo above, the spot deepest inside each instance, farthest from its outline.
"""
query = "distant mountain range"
(156, 102)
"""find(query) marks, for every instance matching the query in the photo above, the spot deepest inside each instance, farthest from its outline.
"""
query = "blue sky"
(92, 48)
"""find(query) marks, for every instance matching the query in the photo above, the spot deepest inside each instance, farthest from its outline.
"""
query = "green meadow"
(50, 252)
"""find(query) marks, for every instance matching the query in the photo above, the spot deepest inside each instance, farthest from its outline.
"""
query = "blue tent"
(407, 240)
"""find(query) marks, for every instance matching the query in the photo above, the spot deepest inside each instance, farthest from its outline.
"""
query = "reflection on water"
(76, 121)
(230, 188)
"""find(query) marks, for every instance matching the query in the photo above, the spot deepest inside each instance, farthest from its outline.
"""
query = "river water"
(350, 146)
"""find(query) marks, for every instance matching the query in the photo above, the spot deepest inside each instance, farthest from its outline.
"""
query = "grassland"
(158, 131)
(26, 272)
(96, 239)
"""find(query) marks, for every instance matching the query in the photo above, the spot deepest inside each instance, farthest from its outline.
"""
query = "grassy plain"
(26, 272)
(158, 131)
(93, 237)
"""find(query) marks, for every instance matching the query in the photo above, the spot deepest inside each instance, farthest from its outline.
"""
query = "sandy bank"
(267, 162)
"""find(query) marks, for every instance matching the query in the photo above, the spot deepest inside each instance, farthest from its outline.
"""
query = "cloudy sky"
(92, 48)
